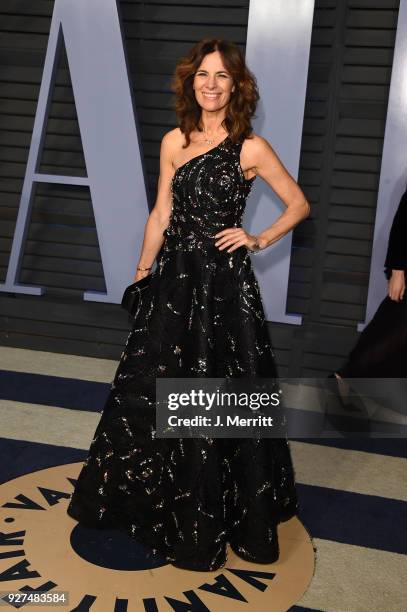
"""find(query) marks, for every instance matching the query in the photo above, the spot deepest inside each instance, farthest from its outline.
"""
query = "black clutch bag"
(133, 294)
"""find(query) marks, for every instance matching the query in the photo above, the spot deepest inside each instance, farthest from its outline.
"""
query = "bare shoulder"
(256, 151)
(256, 146)
(172, 139)
(171, 144)
(174, 135)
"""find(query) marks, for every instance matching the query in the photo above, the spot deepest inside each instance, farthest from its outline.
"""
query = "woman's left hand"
(235, 237)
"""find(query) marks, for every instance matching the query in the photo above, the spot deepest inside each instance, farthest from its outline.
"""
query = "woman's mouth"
(211, 96)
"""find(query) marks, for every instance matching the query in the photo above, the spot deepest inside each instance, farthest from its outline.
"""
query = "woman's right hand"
(141, 274)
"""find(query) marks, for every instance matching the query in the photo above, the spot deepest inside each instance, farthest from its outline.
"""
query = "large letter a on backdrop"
(94, 46)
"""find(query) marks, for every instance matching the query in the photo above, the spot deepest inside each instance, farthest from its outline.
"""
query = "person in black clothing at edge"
(381, 350)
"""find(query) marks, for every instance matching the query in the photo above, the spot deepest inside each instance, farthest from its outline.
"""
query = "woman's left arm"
(259, 157)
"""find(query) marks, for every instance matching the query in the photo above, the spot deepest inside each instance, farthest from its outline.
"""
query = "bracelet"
(143, 269)
(257, 247)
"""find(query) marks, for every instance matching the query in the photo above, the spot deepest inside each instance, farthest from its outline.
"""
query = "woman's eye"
(202, 74)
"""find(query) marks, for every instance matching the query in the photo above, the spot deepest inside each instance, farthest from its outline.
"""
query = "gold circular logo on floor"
(43, 549)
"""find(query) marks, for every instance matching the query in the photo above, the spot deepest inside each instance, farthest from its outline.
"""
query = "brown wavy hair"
(243, 101)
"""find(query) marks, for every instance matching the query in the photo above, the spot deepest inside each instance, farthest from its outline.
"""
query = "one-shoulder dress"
(188, 499)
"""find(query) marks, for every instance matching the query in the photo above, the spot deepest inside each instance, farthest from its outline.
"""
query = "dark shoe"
(241, 552)
(197, 567)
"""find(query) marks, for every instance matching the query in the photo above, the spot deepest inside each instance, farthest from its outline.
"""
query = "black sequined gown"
(202, 315)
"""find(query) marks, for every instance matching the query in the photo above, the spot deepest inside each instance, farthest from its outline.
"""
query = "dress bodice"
(209, 194)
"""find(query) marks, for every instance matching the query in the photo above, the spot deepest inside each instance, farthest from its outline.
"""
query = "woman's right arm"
(159, 216)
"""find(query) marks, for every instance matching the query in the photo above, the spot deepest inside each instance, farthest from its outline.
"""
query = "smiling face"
(213, 84)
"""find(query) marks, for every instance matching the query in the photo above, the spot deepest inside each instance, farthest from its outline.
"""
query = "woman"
(381, 350)
(201, 316)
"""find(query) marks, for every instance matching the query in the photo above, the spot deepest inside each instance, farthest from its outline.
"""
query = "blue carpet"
(18, 457)
(353, 518)
(53, 391)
